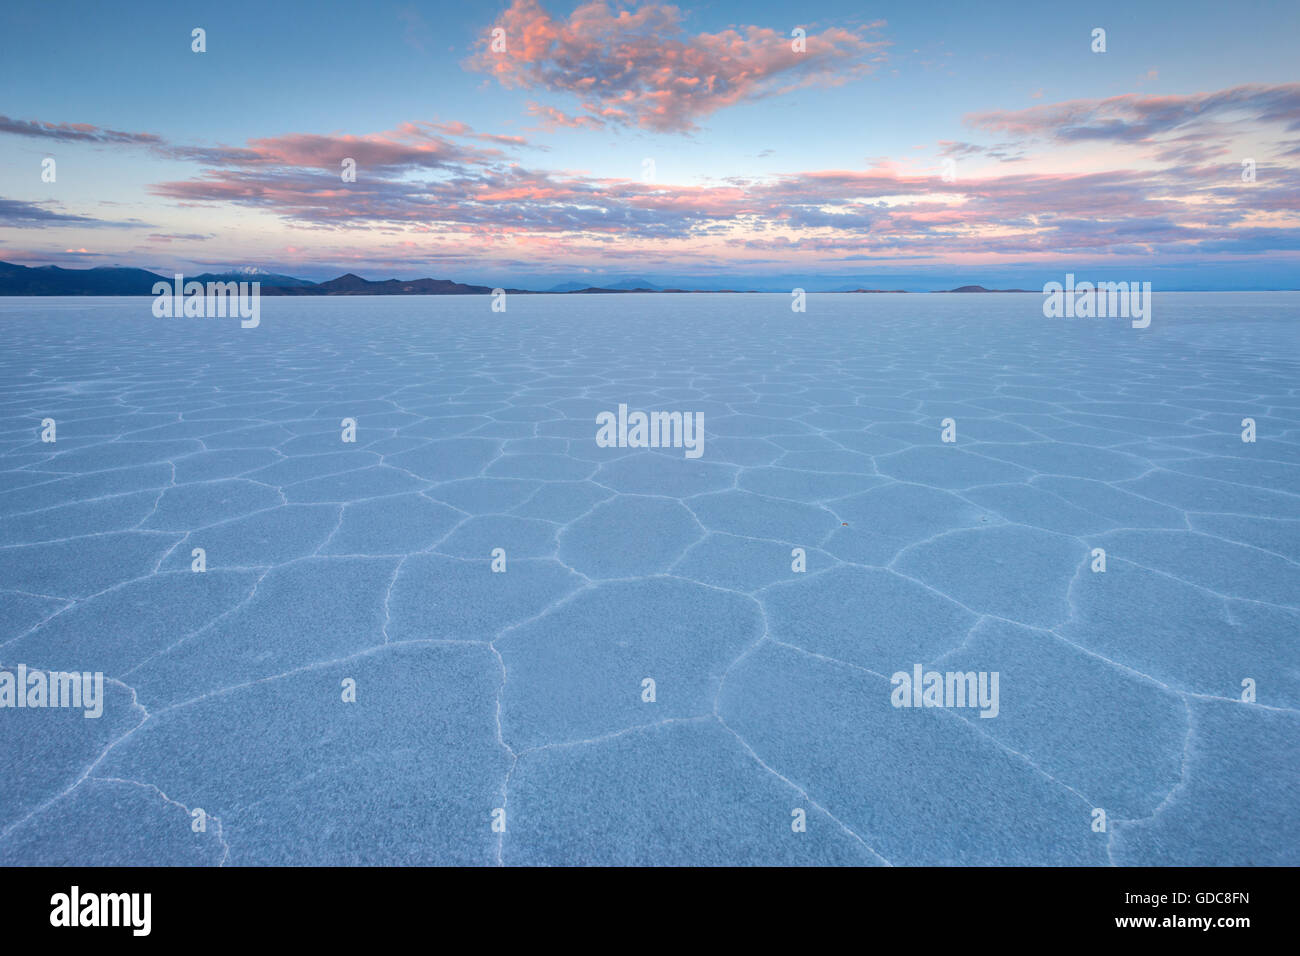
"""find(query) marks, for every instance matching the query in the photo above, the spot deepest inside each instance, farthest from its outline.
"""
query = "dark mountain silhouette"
(55, 280)
(352, 284)
(252, 274)
(632, 285)
(116, 280)
(596, 289)
(980, 288)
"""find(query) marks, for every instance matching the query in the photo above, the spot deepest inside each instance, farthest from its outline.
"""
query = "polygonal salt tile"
(1093, 726)
(44, 751)
(806, 486)
(664, 473)
(684, 794)
(119, 629)
(116, 513)
(883, 521)
(919, 785)
(288, 471)
(1222, 566)
(750, 515)
(79, 567)
(1236, 797)
(447, 458)
(226, 463)
(1122, 507)
(273, 536)
(580, 670)
(302, 613)
(1022, 574)
(398, 524)
(864, 616)
(113, 823)
(406, 774)
(445, 598)
(1063, 458)
(372, 482)
(540, 467)
(948, 467)
(1035, 506)
(480, 536)
(190, 507)
(561, 501)
(628, 536)
(743, 564)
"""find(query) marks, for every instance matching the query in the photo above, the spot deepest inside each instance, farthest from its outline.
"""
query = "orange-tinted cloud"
(640, 67)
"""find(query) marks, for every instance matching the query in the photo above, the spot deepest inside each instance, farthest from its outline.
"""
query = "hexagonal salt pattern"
(475, 635)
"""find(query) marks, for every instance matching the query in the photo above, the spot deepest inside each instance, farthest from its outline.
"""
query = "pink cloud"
(424, 180)
(426, 144)
(885, 211)
(552, 118)
(640, 67)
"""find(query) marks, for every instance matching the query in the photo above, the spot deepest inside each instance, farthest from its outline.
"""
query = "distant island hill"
(117, 280)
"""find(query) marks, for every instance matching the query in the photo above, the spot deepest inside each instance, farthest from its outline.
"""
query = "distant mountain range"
(980, 288)
(116, 280)
(254, 274)
(352, 284)
(621, 285)
(55, 280)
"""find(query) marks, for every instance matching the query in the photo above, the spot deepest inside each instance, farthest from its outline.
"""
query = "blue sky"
(825, 166)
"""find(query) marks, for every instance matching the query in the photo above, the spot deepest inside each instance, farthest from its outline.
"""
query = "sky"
(752, 144)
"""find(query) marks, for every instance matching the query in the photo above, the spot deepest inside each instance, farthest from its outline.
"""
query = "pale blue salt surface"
(523, 690)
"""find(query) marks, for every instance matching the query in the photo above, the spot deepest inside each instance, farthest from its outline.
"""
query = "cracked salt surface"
(523, 690)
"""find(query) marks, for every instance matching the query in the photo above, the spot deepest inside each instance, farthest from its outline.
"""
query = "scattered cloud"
(1137, 118)
(458, 192)
(20, 214)
(641, 67)
(74, 132)
(884, 210)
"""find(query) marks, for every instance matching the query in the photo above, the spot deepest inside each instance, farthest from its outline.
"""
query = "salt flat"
(523, 691)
